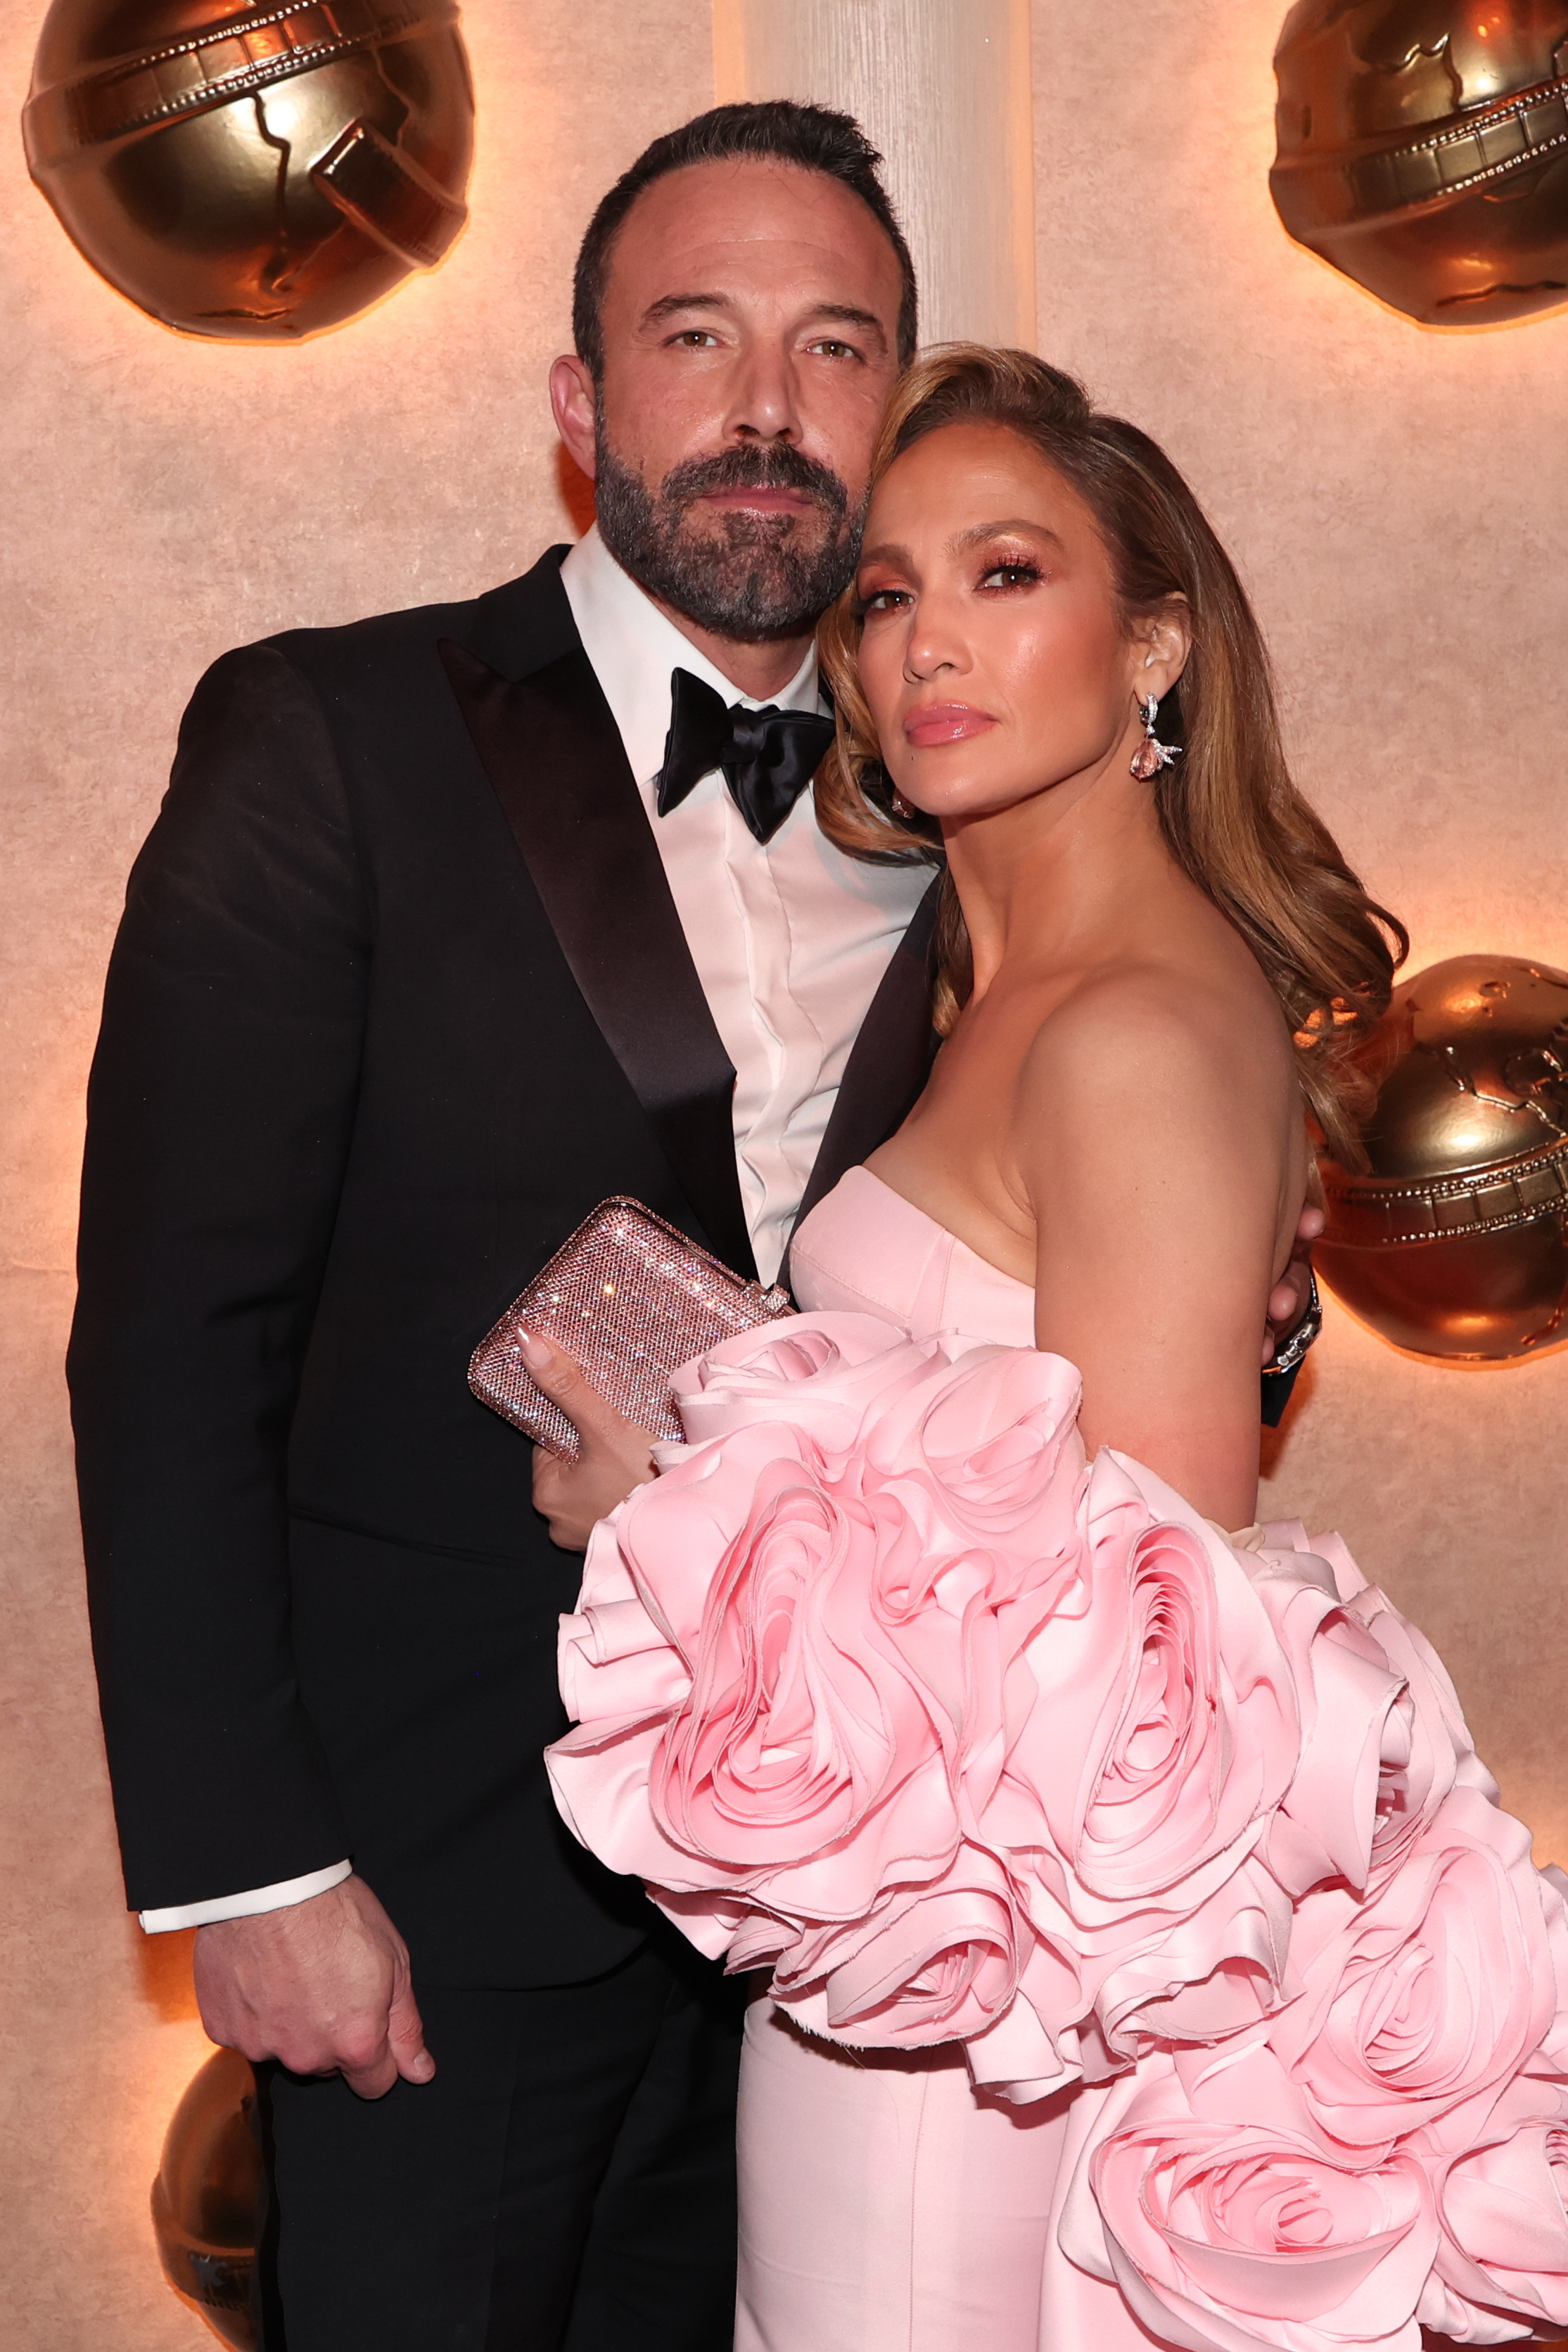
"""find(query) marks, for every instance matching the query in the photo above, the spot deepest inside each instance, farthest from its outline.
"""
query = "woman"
(1103, 1865)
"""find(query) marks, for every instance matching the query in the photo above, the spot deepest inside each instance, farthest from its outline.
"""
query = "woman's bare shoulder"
(1172, 1048)
(1136, 1013)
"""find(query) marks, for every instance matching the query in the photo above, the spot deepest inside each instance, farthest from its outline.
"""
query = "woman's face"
(994, 657)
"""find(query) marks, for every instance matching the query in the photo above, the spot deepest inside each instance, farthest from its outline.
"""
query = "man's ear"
(574, 401)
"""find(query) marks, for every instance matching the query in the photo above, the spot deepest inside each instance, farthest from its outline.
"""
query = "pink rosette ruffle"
(881, 1686)
(1354, 1732)
(1422, 2003)
(830, 1377)
(1502, 2263)
(1230, 2223)
(1423, 1744)
(1167, 1728)
(952, 1731)
(796, 1652)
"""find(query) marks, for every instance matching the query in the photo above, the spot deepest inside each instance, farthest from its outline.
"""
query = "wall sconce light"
(256, 173)
(1456, 1244)
(206, 2198)
(1423, 149)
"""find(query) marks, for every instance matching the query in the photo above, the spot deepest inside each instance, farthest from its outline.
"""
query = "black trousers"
(565, 2184)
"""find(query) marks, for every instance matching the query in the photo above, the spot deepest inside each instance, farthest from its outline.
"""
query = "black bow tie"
(768, 756)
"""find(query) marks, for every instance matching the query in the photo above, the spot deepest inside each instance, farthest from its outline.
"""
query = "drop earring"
(1151, 755)
(900, 806)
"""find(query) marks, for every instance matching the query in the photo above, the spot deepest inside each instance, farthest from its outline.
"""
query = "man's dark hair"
(776, 131)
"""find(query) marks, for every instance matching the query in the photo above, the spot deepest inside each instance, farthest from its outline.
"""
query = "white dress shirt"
(790, 939)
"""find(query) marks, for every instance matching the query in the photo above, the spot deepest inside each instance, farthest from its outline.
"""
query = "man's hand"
(322, 1986)
(613, 1453)
(1288, 1299)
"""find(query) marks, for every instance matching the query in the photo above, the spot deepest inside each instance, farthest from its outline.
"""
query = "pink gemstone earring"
(1151, 755)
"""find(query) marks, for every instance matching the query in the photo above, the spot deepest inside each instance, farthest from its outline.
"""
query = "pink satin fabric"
(1151, 1961)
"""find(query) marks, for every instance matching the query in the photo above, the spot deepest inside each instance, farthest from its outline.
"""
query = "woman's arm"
(1159, 1143)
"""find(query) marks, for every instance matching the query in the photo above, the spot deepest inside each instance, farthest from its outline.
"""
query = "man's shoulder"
(516, 628)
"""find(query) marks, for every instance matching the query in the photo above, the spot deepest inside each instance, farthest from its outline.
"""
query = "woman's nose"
(933, 645)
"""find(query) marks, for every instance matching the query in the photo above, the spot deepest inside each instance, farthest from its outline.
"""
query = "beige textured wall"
(1398, 500)
(162, 500)
(942, 89)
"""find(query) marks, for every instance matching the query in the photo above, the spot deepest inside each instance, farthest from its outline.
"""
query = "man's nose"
(763, 406)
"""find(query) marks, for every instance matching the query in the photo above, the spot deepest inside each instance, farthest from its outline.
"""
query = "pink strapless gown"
(1015, 1772)
(886, 2206)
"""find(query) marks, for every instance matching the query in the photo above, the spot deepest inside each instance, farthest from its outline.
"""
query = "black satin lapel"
(890, 1060)
(553, 753)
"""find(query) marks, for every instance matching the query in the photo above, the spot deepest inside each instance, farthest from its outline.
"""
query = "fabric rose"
(1441, 1753)
(770, 1726)
(1503, 2264)
(798, 1722)
(1229, 2221)
(1421, 2004)
(1355, 1726)
(1000, 1445)
(996, 1442)
(1199, 1979)
(937, 1962)
(1425, 1749)
(823, 1375)
(1164, 1727)
(796, 1668)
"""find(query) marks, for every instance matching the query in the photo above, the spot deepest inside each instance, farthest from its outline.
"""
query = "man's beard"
(747, 577)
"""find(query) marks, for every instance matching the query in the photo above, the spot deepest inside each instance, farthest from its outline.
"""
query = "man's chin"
(711, 532)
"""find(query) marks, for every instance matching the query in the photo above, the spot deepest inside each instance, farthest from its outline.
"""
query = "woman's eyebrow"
(1020, 524)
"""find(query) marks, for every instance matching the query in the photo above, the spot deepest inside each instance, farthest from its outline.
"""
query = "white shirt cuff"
(248, 1906)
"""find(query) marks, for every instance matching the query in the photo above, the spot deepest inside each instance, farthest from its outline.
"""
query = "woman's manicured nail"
(537, 1353)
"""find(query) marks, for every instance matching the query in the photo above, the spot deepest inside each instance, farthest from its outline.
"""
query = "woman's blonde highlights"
(1229, 812)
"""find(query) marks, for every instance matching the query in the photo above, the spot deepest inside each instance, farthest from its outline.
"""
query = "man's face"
(749, 326)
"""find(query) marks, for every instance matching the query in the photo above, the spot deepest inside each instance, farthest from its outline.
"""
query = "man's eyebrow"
(668, 304)
(843, 314)
(847, 314)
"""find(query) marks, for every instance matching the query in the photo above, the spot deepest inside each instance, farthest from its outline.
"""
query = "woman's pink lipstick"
(944, 722)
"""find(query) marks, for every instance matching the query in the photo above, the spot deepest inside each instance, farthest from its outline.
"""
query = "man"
(437, 942)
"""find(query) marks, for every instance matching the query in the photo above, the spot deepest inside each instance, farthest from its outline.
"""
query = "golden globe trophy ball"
(253, 174)
(1422, 149)
(206, 2196)
(1454, 1244)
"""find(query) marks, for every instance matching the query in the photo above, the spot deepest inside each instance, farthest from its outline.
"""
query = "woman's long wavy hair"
(1231, 816)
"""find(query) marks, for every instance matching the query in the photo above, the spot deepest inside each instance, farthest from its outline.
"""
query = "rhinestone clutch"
(630, 1300)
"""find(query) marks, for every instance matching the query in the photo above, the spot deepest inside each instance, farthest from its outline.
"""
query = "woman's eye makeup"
(1015, 572)
(995, 576)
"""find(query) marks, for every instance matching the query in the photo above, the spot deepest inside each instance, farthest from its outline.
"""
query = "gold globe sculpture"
(253, 174)
(1422, 149)
(206, 2196)
(1455, 1242)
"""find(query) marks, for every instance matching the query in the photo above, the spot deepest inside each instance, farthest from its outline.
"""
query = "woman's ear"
(1162, 641)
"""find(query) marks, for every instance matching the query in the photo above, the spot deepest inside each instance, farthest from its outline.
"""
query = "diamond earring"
(1151, 755)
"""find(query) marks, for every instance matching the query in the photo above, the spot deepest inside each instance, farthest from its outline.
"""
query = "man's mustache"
(740, 468)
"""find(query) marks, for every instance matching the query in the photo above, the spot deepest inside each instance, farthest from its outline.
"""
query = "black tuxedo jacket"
(399, 995)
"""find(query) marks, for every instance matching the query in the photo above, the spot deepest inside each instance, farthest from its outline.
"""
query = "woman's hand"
(613, 1453)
